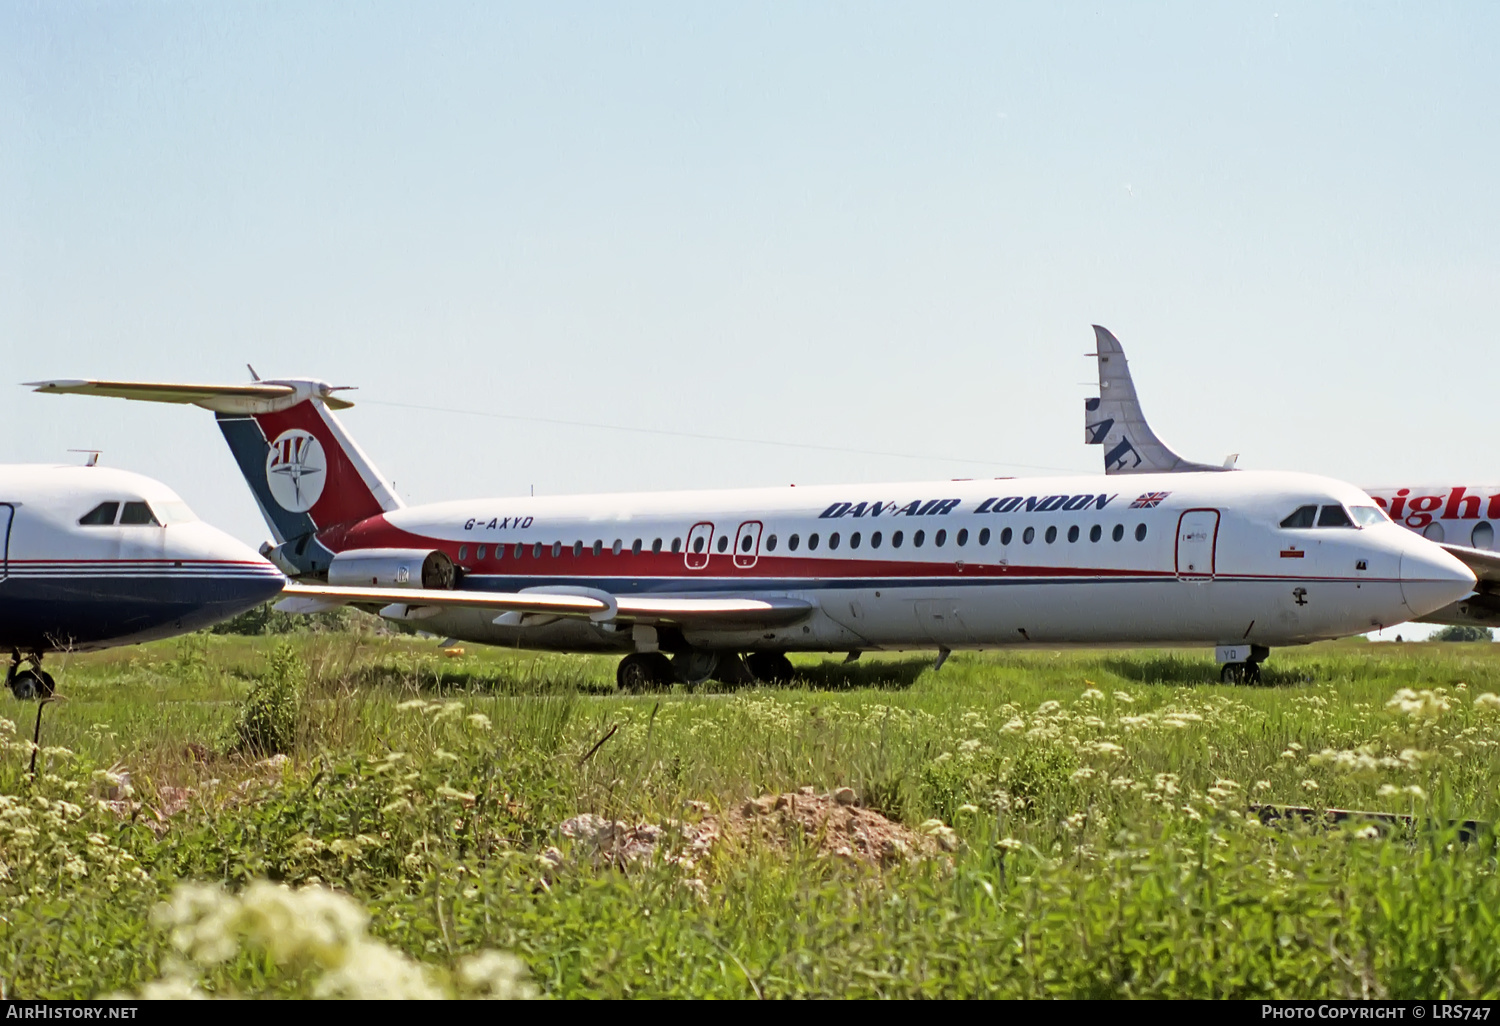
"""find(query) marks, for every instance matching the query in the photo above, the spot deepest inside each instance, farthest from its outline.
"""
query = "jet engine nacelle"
(392, 568)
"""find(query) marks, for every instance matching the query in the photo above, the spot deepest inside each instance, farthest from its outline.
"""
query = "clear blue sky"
(876, 226)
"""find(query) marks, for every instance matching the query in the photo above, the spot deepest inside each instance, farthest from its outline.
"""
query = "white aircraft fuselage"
(95, 557)
(1191, 559)
(1194, 558)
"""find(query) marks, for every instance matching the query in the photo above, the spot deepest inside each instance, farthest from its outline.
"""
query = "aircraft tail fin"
(1115, 421)
(305, 471)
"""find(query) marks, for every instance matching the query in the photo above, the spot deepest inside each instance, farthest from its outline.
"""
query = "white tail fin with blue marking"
(1115, 421)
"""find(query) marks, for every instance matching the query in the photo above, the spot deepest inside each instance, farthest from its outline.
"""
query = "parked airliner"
(1460, 517)
(729, 582)
(95, 557)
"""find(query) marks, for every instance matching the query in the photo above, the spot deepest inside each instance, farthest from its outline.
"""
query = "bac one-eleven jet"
(727, 583)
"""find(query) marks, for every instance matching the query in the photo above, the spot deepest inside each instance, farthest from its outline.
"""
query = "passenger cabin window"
(1005, 536)
(1073, 533)
(897, 537)
(833, 540)
(940, 538)
(984, 536)
(1334, 516)
(1303, 517)
(1027, 535)
(963, 536)
(480, 553)
(854, 540)
(102, 515)
(793, 542)
(1140, 532)
(1095, 533)
(676, 544)
(138, 514)
(723, 542)
(812, 542)
(770, 543)
(1051, 535)
(1118, 532)
(918, 538)
(463, 553)
(875, 540)
(656, 545)
(635, 547)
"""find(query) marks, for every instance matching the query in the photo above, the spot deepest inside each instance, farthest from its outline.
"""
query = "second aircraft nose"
(1431, 578)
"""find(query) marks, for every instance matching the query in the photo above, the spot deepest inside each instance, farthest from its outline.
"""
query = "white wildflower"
(1092, 695)
(1008, 844)
(497, 976)
(1309, 785)
(1487, 701)
(1082, 773)
(1124, 696)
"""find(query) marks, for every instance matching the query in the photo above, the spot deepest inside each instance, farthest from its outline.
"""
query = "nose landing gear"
(33, 682)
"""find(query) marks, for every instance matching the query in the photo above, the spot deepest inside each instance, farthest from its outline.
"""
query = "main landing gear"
(33, 682)
(1247, 672)
(647, 671)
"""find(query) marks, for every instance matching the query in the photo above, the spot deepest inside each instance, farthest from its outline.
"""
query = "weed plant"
(1102, 801)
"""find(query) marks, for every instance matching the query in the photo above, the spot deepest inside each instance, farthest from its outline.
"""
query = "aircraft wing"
(1481, 609)
(599, 606)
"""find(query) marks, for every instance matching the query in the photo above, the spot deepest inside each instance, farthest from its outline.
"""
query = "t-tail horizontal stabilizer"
(1115, 421)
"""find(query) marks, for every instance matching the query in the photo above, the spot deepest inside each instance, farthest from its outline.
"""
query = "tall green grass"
(1102, 800)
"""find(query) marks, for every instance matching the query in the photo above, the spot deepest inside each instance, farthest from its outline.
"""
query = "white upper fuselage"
(1195, 558)
(146, 568)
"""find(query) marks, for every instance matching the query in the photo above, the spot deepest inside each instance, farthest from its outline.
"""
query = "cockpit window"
(101, 515)
(174, 512)
(1303, 517)
(138, 513)
(1334, 516)
(1364, 516)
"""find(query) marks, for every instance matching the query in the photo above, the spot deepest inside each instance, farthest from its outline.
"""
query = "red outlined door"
(699, 542)
(1197, 542)
(747, 544)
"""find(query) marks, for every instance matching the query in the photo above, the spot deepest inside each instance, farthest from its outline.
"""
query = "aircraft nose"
(1432, 579)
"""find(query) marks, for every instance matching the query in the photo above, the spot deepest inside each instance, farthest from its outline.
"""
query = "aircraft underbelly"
(1168, 610)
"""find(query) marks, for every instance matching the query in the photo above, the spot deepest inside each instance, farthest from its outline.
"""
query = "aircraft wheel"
(32, 684)
(770, 667)
(696, 666)
(1252, 673)
(643, 671)
(1232, 673)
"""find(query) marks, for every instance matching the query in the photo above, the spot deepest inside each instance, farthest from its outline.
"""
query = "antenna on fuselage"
(253, 376)
(94, 455)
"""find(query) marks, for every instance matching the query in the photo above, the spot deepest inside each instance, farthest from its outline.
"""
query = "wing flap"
(696, 612)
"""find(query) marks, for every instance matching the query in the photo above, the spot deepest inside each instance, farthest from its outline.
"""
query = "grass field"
(1082, 823)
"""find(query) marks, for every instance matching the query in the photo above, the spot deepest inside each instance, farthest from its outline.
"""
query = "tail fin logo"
(296, 470)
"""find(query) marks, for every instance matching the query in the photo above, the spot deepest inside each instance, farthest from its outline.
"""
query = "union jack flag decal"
(1150, 500)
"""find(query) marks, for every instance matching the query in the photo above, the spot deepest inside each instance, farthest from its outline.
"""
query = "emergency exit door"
(1197, 539)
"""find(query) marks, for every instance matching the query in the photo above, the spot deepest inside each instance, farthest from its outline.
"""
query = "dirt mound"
(834, 822)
